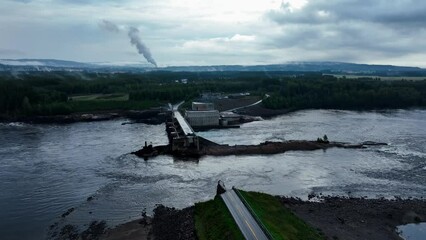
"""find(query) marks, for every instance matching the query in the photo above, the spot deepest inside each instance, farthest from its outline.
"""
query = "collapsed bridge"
(181, 135)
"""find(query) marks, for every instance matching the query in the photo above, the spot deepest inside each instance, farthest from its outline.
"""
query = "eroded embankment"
(358, 218)
(166, 223)
(213, 149)
(152, 116)
(274, 147)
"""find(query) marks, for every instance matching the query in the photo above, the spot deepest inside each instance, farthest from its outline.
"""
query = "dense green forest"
(340, 93)
(52, 93)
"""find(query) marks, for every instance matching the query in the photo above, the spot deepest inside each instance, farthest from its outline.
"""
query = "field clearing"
(101, 97)
(385, 78)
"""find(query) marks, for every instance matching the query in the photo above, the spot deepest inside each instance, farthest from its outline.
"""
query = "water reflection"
(413, 231)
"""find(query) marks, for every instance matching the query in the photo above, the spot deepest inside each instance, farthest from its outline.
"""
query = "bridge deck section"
(186, 128)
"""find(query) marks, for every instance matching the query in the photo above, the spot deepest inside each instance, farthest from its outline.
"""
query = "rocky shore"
(333, 217)
(358, 218)
(166, 223)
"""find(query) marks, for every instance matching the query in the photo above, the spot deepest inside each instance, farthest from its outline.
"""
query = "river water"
(47, 169)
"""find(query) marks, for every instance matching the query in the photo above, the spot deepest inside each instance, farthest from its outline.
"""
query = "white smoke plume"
(134, 39)
(142, 48)
(109, 26)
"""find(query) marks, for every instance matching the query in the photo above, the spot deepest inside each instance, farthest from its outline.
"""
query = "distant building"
(203, 118)
(201, 106)
(183, 81)
(238, 95)
(209, 96)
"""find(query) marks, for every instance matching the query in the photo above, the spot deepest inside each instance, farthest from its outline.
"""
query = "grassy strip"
(280, 222)
(214, 221)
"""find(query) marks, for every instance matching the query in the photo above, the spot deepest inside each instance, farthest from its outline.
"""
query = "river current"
(47, 169)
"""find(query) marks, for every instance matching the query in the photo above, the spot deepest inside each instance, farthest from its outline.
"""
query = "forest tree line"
(337, 93)
(49, 93)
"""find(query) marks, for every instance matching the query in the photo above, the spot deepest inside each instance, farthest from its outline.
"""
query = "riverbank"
(332, 217)
(152, 116)
(262, 111)
(149, 116)
(166, 223)
(358, 218)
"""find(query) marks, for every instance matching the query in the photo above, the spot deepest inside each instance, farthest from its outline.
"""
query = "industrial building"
(202, 115)
(203, 118)
(201, 106)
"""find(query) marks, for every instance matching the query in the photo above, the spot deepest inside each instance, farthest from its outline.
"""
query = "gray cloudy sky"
(207, 32)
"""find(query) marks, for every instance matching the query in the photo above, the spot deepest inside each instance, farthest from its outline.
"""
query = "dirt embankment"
(170, 223)
(225, 104)
(262, 111)
(134, 230)
(213, 149)
(154, 116)
(274, 147)
(167, 223)
(358, 218)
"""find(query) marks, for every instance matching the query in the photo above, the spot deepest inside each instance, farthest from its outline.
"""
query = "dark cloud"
(354, 28)
(409, 13)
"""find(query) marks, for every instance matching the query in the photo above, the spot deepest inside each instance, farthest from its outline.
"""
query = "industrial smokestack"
(142, 48)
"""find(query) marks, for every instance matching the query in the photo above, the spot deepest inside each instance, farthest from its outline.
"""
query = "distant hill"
(44, 63)
(323, 67)
(304, 67)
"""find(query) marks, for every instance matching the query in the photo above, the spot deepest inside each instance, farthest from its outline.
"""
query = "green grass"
(281, 223)
(213, 221)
